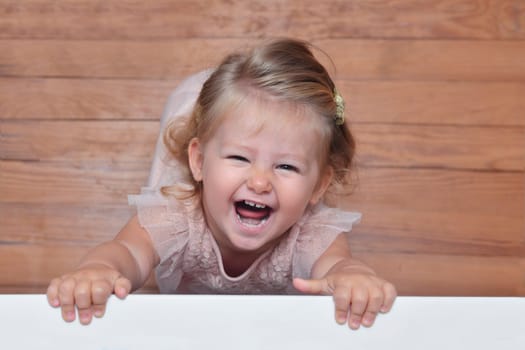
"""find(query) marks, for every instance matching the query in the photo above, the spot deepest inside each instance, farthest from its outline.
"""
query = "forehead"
(255, 114)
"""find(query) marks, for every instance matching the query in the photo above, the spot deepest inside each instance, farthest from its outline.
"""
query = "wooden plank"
(29, 268)
(434, 103)
(429, 239)
(480, 19)
(82, 224)
(426, 60)
(171, 59)
(79, 141)
(354, 59)
(471, 211)
(485, 207)
(434, 275)
(85, 224)
(57, 182)
(378, 145)
(48, 98)
(446, 147)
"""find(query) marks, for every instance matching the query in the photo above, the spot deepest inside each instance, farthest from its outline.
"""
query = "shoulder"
(328, 219)
(315, 232)
(167, 220)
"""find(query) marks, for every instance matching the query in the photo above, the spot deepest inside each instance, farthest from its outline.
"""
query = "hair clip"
(340, 108)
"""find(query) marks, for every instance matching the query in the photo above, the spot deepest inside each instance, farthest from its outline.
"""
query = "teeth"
(256, 205)
(252, 222)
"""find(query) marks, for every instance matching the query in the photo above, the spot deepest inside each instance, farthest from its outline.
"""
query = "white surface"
(264, 322)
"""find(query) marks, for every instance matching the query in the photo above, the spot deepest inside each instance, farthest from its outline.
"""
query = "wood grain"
(82, 224)
(432, 275)
(476, 19)
(58, 182)
(378, 145)
(81, 99)
(85, 224)
(30, 268)
(435, 103)
(85, 141)
(437, 204)
(434, 92)
(355, 59)
(446, 147)
(463, 209)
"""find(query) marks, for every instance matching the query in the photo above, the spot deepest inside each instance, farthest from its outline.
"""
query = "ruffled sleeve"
(317, 233)
(166, 221)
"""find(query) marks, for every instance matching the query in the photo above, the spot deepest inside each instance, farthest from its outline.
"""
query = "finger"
(52, 292)
(390, 295)
(98, 310)
(311, 286)
(82, 293)
(83, 301)
(342, 297)
(67, 299)
(85, 315)
(375, 301)
(122, 287)
(100, 292)
(358, 306)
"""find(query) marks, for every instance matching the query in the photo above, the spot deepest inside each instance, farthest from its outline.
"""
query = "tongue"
(256, 214)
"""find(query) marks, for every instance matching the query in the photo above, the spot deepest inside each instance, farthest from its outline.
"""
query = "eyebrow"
(291, 156)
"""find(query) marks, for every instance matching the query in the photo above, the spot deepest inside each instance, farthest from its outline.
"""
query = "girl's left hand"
(359, 295)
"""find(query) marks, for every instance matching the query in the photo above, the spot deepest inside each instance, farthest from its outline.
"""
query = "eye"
(238, 158)
(288, 167)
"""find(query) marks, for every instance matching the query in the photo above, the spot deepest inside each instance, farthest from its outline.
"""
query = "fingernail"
(70, 315)
(120, 292)
(85, 317)
(367, 322)
(99, 313)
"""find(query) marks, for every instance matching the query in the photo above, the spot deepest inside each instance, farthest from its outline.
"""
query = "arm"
(356, 289)
(117, 266)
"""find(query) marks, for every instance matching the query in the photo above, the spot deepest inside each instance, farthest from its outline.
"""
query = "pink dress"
(190, 260)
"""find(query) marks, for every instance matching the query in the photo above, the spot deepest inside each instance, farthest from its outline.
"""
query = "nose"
(259, 181)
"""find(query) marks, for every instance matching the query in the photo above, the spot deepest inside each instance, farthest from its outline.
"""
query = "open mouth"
(252, 213)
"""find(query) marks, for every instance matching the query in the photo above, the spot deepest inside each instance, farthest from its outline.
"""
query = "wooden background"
(436, 97)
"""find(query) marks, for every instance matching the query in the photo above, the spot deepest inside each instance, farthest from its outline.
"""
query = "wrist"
(352, 266)
(86, 265)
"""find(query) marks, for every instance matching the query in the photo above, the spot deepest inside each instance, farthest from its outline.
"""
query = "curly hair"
(284, 70)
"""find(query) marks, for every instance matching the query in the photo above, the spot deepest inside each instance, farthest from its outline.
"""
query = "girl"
(240, 210)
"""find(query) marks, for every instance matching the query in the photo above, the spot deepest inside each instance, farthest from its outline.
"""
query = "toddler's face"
(260, 170)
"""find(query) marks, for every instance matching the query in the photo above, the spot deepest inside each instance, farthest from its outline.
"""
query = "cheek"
(219, 174)
(298, 194)
(218, 182)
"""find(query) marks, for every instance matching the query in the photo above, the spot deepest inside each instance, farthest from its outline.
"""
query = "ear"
(324, 182)
(195, 158)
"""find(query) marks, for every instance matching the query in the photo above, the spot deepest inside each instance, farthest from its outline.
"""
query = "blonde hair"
(284, 70)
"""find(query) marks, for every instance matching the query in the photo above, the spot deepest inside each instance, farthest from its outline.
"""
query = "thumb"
(312, 286)
(122, 287)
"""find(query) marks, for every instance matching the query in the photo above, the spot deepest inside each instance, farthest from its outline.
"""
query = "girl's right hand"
(87, 290)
